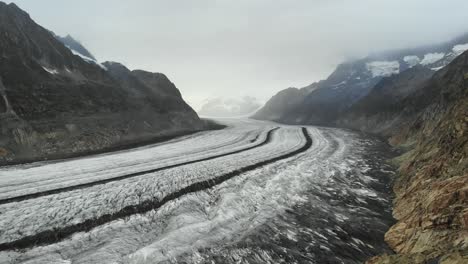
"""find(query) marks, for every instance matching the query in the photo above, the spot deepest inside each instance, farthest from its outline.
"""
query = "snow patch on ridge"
(383, 68)
(339, 85)
(102, 66)
(51, 71)
(86, 58)
(459, 49)
(437, 68)
(412, 60)
(432, 58)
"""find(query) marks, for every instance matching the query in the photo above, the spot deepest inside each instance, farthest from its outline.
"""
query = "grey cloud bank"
(256, 47)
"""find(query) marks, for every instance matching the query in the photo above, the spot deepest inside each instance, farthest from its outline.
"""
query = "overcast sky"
(211, 48)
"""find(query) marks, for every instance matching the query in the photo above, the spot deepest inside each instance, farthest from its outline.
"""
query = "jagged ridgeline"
(56, 100)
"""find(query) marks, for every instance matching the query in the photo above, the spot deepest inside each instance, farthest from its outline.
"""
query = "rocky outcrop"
(431, 203)
(57, 103)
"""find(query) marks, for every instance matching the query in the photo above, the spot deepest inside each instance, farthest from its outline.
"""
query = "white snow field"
(222, 213)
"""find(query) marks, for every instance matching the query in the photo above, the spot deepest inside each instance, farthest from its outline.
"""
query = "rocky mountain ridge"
(353, 80)
(56, 103)
(380, 111)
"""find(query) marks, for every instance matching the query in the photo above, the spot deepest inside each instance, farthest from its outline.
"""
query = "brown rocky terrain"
(431, 203)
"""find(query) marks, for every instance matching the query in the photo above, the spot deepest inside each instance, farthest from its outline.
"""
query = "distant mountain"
(283, 102)
(353, 80)
(55, 103)
(229, 107)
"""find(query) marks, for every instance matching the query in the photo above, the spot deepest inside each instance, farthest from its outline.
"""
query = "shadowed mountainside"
(57, 104)
(381, 111)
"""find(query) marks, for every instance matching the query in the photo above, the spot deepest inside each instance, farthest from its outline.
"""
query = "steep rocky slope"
(57, 104)
(381, 112)
(353, 80)
(431, 203)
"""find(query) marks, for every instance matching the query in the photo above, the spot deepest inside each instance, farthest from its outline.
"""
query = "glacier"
(314, 206)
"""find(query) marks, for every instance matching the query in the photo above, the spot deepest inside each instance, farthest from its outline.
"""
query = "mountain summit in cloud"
(323, 102)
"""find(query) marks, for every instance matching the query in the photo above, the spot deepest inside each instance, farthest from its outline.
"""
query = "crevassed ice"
(459, 49)
(432, 57)
(383, 68)
(412, 60)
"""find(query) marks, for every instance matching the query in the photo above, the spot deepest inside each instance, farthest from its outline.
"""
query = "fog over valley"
(249, 47)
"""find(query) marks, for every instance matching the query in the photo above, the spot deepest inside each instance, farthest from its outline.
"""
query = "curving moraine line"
(58, 234)
(29, 196)
(192, 152)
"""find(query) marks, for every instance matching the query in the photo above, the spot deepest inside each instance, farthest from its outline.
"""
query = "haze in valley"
(248, 47)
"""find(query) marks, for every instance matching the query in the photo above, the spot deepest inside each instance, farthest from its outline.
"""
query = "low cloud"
(213, 48)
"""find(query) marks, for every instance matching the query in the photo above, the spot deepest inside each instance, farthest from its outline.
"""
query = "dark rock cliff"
(55, 104)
